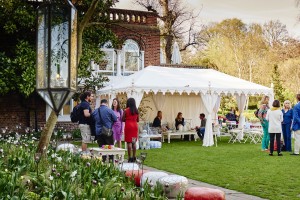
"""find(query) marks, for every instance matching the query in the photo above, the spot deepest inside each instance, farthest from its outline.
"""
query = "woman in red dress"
(131, 118)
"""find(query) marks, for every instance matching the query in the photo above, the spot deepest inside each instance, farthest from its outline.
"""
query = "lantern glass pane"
(42, 49)
(45, 95)
(73, 56)
(59, 47)
(58, 98)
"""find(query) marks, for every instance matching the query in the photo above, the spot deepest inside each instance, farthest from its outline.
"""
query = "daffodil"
(59, 159)
(74, 173)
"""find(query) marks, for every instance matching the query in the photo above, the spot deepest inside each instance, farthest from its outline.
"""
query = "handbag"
(104, 131)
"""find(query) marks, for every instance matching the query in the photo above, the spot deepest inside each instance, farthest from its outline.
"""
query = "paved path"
(229, 194)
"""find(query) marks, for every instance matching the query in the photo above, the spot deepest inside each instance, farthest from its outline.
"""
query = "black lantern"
(56, 71)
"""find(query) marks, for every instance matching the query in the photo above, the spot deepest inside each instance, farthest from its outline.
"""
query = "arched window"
(132, 57)
(109, 59)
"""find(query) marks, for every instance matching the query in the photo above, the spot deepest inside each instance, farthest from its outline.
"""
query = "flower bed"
(61, 175)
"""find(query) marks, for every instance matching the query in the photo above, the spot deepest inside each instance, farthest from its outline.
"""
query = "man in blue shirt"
(296, 126)
(201, 130)
(104, 116)
(85, 118)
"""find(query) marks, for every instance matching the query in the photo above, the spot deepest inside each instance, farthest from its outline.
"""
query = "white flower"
(54, 155)
(59, 159)
(74, 173)
(34, 138)
(6, 170)
(1, 150)
(51, 178)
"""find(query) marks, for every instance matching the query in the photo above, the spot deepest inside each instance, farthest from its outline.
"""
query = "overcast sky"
(248, 11)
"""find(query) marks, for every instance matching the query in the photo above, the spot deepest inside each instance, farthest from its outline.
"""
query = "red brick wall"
(145, 33)
(16, 110)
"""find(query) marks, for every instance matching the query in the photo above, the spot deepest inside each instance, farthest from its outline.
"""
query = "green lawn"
(241, 167)
(238, 166)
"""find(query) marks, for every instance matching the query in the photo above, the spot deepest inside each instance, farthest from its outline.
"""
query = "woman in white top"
(275, 117)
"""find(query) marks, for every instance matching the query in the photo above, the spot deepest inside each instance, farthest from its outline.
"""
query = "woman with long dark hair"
(118, 126)
(131, 119)
(179, 121)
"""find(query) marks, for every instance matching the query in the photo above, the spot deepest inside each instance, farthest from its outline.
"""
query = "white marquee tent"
(186, 90)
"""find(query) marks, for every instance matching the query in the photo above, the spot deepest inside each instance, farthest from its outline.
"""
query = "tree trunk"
(47, 133)
(168, 49)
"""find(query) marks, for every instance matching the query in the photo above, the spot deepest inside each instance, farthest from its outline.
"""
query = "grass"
(241, 167)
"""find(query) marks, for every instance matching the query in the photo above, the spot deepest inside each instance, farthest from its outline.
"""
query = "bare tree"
(176, 21)
(275, 33)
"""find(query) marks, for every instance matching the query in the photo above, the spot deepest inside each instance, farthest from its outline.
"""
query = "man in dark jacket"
(104, 116)
(296, 126)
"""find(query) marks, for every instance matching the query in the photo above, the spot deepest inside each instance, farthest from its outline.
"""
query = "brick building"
(141, 47)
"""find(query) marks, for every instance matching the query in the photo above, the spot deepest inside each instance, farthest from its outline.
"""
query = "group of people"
(179, 123)
(276, 121)
(120, 122)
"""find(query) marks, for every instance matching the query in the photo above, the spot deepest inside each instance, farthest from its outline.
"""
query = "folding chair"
(235, 133)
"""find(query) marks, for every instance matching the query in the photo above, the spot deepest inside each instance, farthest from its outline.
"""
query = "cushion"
(174, 185)
(204, 193)
(136, 175)
(152, 178)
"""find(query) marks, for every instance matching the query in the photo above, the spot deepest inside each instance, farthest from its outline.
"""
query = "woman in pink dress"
(118, 126)
(131, 119)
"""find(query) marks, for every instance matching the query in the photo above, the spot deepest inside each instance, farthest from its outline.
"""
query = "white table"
(169, 134)
(153, 136)
(107, 152)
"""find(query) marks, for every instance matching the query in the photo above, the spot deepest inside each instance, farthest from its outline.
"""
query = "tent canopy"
(191, 91)
(183, 80)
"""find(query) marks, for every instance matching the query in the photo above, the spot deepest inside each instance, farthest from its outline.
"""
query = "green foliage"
(18, 73)
(249, 115)
(76, 133)
(288, 95)
(61, 175)
(17, 54)
(278, 88)
(227, 102)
